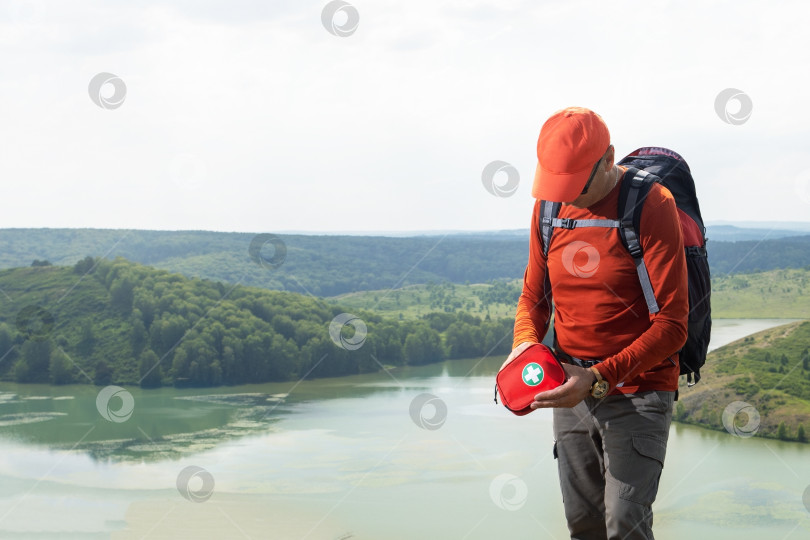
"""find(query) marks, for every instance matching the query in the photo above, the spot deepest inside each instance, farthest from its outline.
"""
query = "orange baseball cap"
(570, 144)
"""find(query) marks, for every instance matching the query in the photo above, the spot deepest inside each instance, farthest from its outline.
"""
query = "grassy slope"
(772, 294)
(416, 300)
(765, 370)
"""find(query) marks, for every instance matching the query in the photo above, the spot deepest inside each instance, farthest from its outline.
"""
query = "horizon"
(774, 226)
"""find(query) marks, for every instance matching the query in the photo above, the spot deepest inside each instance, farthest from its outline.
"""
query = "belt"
(568, 359)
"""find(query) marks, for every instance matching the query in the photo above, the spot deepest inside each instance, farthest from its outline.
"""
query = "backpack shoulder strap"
(548, 213)
(634, 190)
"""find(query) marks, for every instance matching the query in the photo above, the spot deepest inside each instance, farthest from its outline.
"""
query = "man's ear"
(609, 157)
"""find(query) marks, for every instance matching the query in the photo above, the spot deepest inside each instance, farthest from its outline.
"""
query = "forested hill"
(316, 265)
(333, 265)
(117, 322)
(760, 255)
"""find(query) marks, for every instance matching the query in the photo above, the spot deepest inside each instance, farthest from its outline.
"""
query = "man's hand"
(576, 388)
(516, 352)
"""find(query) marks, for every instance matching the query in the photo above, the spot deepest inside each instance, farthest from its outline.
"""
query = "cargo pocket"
(648, 461)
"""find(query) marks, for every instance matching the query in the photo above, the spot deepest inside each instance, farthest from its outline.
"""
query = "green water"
(344, 458)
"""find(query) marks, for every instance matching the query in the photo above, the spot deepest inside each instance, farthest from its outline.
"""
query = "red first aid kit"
(535, 370)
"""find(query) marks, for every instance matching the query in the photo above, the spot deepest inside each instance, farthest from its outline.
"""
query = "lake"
(417, 452)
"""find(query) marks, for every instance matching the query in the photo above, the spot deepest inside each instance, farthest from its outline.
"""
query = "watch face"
(599, 389)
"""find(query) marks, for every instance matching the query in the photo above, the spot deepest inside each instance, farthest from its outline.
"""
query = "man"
(612, 415)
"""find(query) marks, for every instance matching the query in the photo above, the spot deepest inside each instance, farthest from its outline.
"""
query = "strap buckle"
(639, 178)
(566, 358)
(568, 223)
(578, 362)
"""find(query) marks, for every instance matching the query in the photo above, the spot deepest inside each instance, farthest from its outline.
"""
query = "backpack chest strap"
(565, 223)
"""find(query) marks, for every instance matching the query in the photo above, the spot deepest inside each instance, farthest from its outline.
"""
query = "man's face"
(600, 186)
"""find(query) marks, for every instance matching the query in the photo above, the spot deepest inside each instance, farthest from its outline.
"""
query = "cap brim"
(553, 187)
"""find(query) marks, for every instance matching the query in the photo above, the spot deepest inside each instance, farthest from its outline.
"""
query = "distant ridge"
(330, 265)
(768, 225)
(731, 233)
(720, 230)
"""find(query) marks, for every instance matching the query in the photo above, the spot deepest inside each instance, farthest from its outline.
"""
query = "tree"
(203, 365)
(180, 366)
(35, 361)
(87, 339)
(316, 355)
(21, 370)
(121, 295)
(680, 412)
(423, 346)
(497, 336)
(282, 353)
(84, 265)
(800, 435)
(60, 372)
(230, 372)
(6, 343)
(167, 332)
(145, 302)
(284, 325)
(782, 431)
(138, 336)
(388, 343)
(440, 321)
(150, 369)
(104, 373)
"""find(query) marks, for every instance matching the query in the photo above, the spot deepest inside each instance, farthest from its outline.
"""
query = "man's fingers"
(567, 394)
(553, 404)
(553, 394)
(516, 352)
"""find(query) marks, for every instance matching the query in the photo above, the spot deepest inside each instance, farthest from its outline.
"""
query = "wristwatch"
(600, 387)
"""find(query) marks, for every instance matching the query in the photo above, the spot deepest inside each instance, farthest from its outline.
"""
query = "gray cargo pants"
(610, 453)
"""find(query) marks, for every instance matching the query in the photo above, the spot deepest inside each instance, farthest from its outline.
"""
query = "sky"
(274, 116)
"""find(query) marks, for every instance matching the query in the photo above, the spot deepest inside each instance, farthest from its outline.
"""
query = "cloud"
(389, 128)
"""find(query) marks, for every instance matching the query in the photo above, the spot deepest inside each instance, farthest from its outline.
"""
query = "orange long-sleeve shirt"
(600, 311)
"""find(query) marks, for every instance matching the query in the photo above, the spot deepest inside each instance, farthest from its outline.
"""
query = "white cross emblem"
(532, 374)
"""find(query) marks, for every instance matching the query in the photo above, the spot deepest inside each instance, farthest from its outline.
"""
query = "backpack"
(645, 166)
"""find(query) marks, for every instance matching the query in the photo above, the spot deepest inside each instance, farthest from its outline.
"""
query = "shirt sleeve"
(534, 305)
(664, 256)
